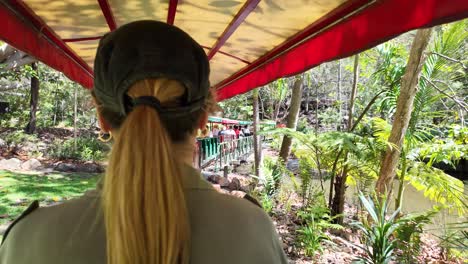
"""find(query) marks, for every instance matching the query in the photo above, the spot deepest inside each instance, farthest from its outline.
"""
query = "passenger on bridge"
(246, 131)
(215, 130)
(237, 131)
(152, 93)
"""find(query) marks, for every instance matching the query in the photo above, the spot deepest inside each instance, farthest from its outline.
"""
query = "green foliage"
(17, 138)
(317, 221)
(273, 172)
(438, 186)
(238, 107)
(267, 203)
(312, 236)
(459, 134)
(408, 235)
(56, 99)
(455, 241)
(377, 233)
(82, 148)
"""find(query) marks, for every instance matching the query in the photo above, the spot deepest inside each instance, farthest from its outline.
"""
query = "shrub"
(377, 232)
(317, 220)
(408, 235)
(82, 148)
(18, 138)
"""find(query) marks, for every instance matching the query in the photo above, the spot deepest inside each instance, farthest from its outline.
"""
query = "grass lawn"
(18, 190)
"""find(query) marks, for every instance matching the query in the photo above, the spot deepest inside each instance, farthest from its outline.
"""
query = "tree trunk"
(353, 92)
(340, 182)
(257, 141)
(31, 127)
(338, 97)
(402, 116)
(75, 115)
(292, 118)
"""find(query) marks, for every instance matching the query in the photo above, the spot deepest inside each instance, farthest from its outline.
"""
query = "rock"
(244, 169)
(213, 178)
(223, 182)
(239, 194)
(234, 185)
(2, 143)
(31, 164)
(217, 179)
(65, 167)
(10, 164)
(217, 187)
(90, 168)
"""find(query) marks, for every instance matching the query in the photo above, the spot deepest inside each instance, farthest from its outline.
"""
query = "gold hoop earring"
(104, 139)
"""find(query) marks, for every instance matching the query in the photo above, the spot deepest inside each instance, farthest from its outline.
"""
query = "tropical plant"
(455, 240)
(317, 220)
(408, 235)
(377, 232)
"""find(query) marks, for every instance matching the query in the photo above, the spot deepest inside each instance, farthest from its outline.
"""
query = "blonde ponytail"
(145, 212)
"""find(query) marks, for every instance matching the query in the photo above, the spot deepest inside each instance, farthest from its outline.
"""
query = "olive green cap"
(149, 49)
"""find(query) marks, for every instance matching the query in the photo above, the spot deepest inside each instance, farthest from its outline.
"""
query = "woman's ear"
(105, 127)
(203, 120)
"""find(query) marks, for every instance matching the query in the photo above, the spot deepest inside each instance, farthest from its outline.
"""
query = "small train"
(213, 147)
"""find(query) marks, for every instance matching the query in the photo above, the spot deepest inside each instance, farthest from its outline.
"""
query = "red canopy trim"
(376, 24)
(27, 32)
(229, 121)
(107, 12)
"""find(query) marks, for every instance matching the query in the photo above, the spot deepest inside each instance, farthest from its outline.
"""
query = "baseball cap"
(149, 49)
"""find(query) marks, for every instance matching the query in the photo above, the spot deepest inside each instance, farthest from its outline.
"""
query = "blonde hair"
(145, 211)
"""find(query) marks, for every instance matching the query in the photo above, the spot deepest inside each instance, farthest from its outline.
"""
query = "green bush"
(455, 240)
(317, 220)
(17, 138)
(377, 232)
(408, 235)
(83, 148)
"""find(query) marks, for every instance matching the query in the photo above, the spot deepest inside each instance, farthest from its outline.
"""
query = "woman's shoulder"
(46, 229)
(220, 222)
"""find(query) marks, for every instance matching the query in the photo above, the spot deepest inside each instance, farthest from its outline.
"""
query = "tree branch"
(458, 102)
(450, 59)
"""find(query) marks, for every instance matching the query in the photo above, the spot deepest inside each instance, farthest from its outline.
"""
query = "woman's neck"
(183, 151)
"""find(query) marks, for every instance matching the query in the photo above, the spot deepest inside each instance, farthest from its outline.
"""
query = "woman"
(152, 94)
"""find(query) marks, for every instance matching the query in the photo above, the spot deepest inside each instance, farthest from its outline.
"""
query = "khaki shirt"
(224, 229)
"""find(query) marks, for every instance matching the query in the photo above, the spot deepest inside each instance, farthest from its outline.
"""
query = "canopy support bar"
(81, 39)
(107, 11)
(246, 9)
(171, 11)
(227, 54)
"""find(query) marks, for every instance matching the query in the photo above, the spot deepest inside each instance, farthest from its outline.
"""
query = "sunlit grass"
(18, 190)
